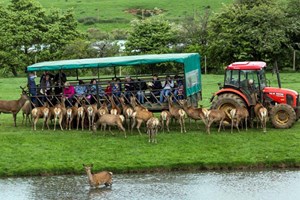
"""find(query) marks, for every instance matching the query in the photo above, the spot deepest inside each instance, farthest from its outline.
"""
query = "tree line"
(267, 30)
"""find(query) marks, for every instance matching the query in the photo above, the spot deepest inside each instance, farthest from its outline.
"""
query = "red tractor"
(245, 83)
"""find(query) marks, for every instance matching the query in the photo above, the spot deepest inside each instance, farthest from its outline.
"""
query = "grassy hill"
(117, 14)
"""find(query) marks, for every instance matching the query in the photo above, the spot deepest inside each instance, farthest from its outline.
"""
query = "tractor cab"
(246, 77)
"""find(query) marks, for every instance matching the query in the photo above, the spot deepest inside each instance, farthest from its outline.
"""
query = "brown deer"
(139, 117)
(13, 106)
(193, 113)
(261, 114)
(127, 111)
(177, 113)
(115, 110)
(91, 113)
(152, 128)
(135, 105)
(59, 112)
(102, 110)
(71, 114)
(165, 118)
(26, 112)
(40, 112)
(110, 120)
(212, 116)
(100, 178)
(237, 115)
(81, 115)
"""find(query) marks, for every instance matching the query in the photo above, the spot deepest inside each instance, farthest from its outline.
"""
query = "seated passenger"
(80, 89)
(68, 92)
(140, 87)
(169, 84)
(129, 88)
(93, 91)
(155, 88)
(115, 89)
(180, 93)
(178, 85)
(108, 89)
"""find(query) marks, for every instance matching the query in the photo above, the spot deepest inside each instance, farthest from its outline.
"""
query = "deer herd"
(130, 113)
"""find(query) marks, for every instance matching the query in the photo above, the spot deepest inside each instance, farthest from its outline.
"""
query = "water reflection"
(205, 185)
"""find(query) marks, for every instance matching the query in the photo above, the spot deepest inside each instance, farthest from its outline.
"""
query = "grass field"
(113, 15)
(25, 152)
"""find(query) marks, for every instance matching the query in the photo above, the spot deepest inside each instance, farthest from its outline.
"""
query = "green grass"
(111, 11)
(27, 152)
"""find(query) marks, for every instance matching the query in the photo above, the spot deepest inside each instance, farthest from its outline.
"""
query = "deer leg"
(183, 123)
(197, 124)
(24, 118)
(104, 128)
(208, 127)
(133, 124)
(120, 126)
(78, 118)
(47, 122)
(109, 128)
(163, 125)
(180, 122)
(60, 123)
(44, 122)
(70, 125)
(82, 122)
(55, 119)
(149, 135)
(237, 125)
(89, 118)
(35, 122)
(221, 122)
(139, 123)
(246, 123)
(15, 119)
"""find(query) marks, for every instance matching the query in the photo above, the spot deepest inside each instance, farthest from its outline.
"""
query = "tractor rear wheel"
(227, 102)
(282, 116)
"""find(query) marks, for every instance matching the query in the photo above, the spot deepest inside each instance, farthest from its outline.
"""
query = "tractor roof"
(247, 65)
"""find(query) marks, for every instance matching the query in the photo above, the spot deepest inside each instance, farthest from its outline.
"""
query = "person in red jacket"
(69, 92)
(108, 89)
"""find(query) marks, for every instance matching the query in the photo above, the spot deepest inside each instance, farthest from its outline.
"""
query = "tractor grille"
(289, 99)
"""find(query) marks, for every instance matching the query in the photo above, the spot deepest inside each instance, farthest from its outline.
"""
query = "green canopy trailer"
(190, 61)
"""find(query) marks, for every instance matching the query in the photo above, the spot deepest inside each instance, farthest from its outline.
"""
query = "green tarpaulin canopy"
(191, 62)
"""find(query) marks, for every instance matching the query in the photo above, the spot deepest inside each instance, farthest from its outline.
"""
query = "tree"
(29, 34)
(293, 27)
(152, 35)
(249, 30)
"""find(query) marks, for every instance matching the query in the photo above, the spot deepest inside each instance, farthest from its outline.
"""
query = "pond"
(176, 185)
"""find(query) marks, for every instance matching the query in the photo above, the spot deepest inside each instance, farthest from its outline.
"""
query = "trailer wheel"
(282, 116)
(227, 102)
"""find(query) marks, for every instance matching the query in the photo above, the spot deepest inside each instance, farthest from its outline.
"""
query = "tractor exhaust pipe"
(277, 73)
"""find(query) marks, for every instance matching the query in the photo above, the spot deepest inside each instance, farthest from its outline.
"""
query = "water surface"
(269, 185)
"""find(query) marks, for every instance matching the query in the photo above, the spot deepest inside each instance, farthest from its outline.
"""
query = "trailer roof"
(247, 65)
(185, 58)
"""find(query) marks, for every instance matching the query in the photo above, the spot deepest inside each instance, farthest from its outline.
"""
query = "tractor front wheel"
(282, 116)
